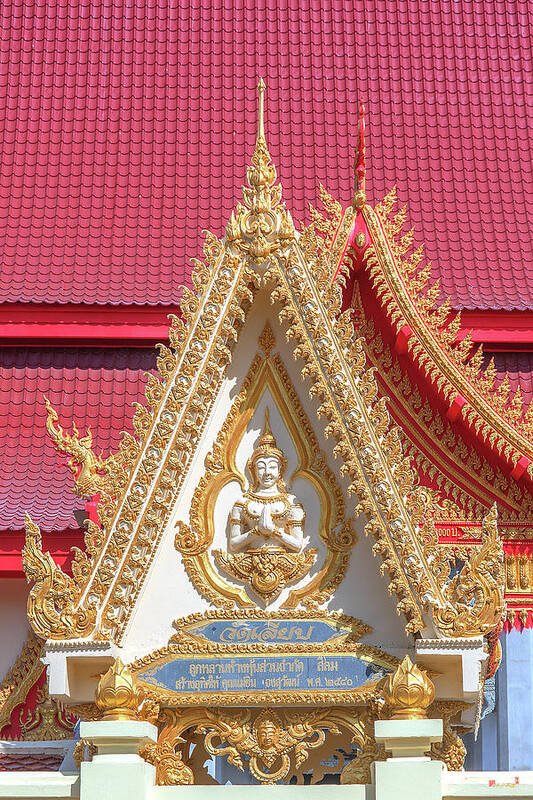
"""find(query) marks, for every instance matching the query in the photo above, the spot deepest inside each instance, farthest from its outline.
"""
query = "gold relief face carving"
(266, 542)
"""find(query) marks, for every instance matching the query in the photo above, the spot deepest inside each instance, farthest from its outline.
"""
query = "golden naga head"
(117, 696)
(408, 691)
(265, 450)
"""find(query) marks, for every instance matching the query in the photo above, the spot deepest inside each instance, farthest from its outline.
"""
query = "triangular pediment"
(262, 330)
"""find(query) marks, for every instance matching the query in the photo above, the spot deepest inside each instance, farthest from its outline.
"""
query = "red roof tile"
(90, 386)
(30, 762)
(519, 367)
(127, 125)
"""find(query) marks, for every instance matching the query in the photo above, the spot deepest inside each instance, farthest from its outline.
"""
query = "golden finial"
(117, 696)
(408, 691)
(267, 443)
(261, 118)
(267, 447)
(359, 198)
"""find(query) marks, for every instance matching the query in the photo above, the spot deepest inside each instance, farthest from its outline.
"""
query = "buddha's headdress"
(267, 447)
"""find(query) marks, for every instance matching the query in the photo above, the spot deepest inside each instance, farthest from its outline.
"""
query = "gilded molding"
(21, 677)
(403, 396)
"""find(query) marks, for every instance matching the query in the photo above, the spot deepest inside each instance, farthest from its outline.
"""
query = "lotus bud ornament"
(408, 691)
(117, 696)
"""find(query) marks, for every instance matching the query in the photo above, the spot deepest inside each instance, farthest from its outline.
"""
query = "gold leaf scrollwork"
(170, 769)
(52, 600)
(275, 745)
(476, 593)
(268, 741)
(266, 571)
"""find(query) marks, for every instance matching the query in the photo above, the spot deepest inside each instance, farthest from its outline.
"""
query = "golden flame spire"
(117, 696)
(261, 226)
(359, 198)
(408, 691)
(261, 114)
(267, 445)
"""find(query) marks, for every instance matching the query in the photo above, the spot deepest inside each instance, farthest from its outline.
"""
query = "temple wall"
(13, 622)
(504, 739)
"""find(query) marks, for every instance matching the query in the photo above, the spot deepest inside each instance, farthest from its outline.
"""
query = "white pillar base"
(117, 772)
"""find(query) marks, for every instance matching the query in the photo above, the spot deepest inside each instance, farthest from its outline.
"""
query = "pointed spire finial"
(266, 426)
(261, 119)
(359, 198)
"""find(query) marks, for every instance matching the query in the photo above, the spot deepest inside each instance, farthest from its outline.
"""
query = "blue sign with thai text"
(260, 673)
(271, 631)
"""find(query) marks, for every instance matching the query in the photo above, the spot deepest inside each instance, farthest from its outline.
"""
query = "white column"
(117, 772)
(409, 773)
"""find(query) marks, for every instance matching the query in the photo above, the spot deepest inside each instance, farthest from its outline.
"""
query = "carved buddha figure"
(266, 515)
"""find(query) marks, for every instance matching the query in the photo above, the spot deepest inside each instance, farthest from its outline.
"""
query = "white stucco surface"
(13, 621)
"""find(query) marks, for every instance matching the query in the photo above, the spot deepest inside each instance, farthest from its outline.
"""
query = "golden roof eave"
(446, 366)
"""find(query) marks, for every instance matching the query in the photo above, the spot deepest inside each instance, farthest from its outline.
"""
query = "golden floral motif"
(52, 599)
(267, 340)
(267, 571)
(117, 696)
(408, 692)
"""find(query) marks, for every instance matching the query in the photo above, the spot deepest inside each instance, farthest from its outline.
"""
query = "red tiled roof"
(92, 387)
(519, 367)
(30, 762)
(127, 126)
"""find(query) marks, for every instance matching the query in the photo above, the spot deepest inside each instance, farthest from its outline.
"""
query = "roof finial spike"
(359, 198)
(261, 119)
